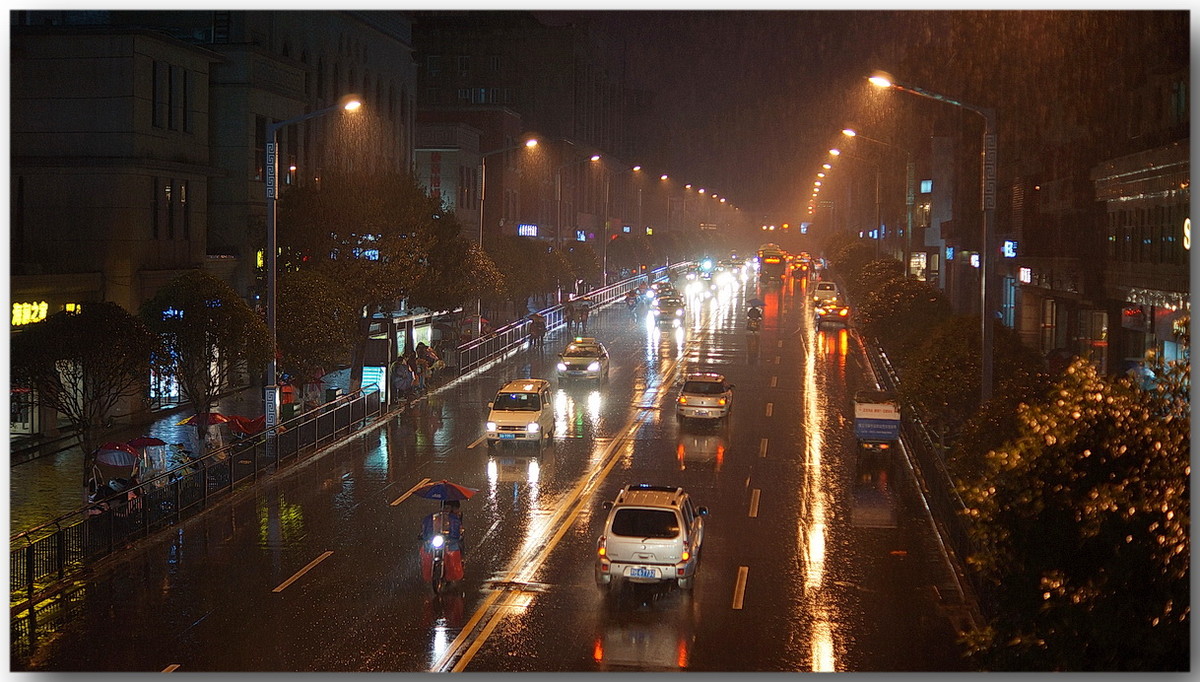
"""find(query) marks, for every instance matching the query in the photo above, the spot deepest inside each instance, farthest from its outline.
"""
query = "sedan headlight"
(562, 366)
(533, 427)
(594, 367)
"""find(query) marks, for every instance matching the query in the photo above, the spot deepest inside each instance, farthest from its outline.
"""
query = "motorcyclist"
(754, 314)
(448, 521)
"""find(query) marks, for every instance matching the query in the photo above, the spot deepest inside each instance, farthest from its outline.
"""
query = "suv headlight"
(491, 426)
(533, 427)
(562, 366)
(595, 366)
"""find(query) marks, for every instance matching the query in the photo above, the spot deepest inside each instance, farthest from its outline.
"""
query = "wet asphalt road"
(812, 561)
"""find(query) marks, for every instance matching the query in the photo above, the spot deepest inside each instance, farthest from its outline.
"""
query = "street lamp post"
(607, 218)
(987, 203)
(878, 193)
(271, 390)
(558, 201)
(910, 191)
(531, 142)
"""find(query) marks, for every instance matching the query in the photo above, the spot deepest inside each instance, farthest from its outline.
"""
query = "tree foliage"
(83, 363)
(899, 312)
(316, 325)
(208, 331)
(1086, 516)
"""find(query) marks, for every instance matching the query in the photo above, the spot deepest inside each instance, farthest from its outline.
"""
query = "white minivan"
(521, 411)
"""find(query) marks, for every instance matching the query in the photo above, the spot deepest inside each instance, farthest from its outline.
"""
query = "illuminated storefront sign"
(974, 260)
(1009, 250)
(949, 253)
(28, 313)
(527, 230)
(1187, 234)
(1026, 275)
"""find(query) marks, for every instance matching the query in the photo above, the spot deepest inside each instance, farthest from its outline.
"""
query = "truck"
(876, 420)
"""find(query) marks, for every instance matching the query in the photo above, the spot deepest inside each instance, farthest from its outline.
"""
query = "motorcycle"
(753, 324)
(440, 565)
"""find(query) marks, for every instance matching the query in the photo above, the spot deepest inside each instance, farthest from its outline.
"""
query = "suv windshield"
(518, 401)
(703, 387)
(645, 523)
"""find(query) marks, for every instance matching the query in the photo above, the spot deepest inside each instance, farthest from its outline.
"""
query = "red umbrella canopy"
(145, 441)
(444, 490)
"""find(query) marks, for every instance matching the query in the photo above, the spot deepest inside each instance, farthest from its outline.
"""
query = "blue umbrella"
(444, 490)
(757, 301)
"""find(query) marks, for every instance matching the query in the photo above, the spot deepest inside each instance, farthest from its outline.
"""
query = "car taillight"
(602, 546)
(687, 554)
(844, 312)
(683, 400)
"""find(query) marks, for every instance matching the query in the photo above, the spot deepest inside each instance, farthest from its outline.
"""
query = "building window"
(1049, 329)
(260, 147)
(1008, 303)
(464, 65)
(155, 209)
(494, 63)
(185, 211)
(169, 207)
(433, 65)
(1093, 337)
(175, 82)
(158, 94)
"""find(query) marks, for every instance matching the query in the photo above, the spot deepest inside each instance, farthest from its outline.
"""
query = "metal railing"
(43, 558)
(513, 336)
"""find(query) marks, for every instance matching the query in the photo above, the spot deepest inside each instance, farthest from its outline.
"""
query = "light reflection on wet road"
(787, 582)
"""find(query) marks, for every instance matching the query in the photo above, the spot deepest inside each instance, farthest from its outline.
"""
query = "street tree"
(210, 336)
(83, 364)
(898, 312)
(584, 263)
(1085, 518)
(316, 326)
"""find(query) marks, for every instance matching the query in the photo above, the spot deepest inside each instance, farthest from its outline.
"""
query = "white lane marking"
(774, 381)
(171, 668)
(400, 499)
(770, 408)
(477, 441)
(762, 448)
(777, 359)
(302, 571)
(779, 344)
(739, 590)
(754, 503)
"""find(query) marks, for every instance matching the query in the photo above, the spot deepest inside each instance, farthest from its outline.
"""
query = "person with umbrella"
(754, 315)
(442, 533)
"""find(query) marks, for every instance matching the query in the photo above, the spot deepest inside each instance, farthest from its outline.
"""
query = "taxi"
(583, 358)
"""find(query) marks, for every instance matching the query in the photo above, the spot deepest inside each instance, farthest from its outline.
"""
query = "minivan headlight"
(562, 366)
(533, 427)
(491, 426)
(595, 366)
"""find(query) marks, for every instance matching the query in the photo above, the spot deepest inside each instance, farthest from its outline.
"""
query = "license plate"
(701, 413)
(507, 436)
(643, 572)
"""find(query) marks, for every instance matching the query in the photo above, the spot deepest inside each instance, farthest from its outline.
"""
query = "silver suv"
(652, 535)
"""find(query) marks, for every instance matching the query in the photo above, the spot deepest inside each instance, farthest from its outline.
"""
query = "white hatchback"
(705, 395)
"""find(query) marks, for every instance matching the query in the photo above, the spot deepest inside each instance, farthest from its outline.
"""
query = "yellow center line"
(400, 499)
(171, 668)
(302, 571)
(739, 590)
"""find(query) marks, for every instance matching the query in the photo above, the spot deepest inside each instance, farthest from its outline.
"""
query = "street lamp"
(910, 190)
(604, 248)
(530, 143)
(987, 203)
(271, 390)
(878, 193)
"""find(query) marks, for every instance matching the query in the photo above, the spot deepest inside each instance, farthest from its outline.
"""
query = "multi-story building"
(138, 141)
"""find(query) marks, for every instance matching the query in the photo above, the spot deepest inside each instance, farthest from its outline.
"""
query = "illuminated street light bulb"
(820, 175)
(826, 166)
(722, 200)
(663, 176)
(848, 132)
(595, 157)
(817, 183)
(352, 105)
(880, 81)
(637, 168)
(531, 142)
(688, 186)
(835, 152)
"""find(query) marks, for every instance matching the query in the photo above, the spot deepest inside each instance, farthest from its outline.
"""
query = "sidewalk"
(50, 485)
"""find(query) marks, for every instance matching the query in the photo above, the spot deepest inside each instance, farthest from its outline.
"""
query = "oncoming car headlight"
(533, 427)
(491, 426)
(562, 366)
(595, 366)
